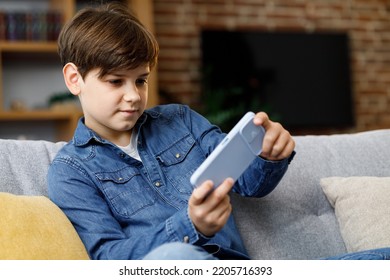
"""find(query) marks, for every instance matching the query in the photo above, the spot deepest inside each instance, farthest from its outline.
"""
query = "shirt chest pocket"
(126, 191)
(179, 161)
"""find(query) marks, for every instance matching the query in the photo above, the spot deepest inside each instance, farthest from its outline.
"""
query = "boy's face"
(112, 104)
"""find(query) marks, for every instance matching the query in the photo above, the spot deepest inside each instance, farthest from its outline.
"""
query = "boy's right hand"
(210, 209)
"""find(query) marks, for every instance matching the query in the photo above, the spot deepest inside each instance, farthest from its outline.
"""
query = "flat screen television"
(300, 79)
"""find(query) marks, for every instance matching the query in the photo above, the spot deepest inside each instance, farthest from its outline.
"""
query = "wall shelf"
(38, 115)
(24, 46)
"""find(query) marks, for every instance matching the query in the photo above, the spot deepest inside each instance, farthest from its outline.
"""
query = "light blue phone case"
(233, 155)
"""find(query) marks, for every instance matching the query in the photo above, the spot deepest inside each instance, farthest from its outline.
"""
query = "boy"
(123, 180)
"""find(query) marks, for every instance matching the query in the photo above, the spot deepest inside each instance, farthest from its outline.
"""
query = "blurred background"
(317, 66)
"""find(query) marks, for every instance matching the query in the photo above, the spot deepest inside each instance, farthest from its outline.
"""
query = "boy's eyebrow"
(146, 74)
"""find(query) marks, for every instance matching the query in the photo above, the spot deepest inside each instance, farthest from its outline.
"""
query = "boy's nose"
(131, 94)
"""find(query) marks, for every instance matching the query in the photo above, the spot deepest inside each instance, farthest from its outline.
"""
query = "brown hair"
(106, 37)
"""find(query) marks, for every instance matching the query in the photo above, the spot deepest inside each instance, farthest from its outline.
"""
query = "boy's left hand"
(278, 143)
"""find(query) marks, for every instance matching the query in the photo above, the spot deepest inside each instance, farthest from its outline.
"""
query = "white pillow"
(362, 208)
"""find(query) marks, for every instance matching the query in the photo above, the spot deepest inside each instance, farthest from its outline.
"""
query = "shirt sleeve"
(262, 177)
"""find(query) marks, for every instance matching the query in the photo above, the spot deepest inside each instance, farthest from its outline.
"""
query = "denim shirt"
(123, 208)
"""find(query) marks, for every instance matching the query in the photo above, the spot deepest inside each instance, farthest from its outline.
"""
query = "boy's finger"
(200, 193)
(223, 189)
(261, 119)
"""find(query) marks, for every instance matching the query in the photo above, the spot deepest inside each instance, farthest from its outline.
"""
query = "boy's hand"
(278, 143)
(209, 210)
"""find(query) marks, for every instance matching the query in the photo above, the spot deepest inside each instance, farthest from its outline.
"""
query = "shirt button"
(186, 239)
(157, 184)
(177, 155)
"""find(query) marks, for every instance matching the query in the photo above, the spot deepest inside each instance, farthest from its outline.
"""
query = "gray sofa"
(296, 221)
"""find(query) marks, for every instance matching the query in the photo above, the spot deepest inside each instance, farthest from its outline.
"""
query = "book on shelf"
(30, 25)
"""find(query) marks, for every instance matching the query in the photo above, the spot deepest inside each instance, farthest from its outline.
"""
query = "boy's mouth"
(129, 112)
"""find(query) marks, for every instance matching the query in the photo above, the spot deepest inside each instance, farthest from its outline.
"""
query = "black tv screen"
(300, 79)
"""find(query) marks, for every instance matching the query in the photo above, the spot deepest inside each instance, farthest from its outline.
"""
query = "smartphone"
(233, 155)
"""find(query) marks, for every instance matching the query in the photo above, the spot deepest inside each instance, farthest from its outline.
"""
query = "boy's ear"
(72, 78)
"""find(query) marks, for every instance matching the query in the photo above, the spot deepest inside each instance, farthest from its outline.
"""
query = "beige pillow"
(32, 227)
(362, 207)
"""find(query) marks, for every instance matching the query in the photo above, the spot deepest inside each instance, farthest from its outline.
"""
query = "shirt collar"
(83, 135)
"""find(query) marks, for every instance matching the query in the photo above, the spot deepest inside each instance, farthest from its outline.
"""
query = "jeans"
(373, 254)
(184, 251)
(179, 251)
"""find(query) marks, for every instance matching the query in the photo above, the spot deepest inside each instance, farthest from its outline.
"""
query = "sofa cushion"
(32, 227)
(362, 210)
(24, 165)
(296, 221)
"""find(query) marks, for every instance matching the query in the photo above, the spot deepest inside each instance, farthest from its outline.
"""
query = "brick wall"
(179, 22)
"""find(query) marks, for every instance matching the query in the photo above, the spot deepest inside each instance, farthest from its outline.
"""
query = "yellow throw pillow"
(34, 228)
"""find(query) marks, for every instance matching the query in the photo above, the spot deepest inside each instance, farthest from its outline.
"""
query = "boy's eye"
(115, 82)
(141, 81)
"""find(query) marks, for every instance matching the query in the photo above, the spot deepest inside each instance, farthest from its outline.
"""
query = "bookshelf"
(11, 48)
